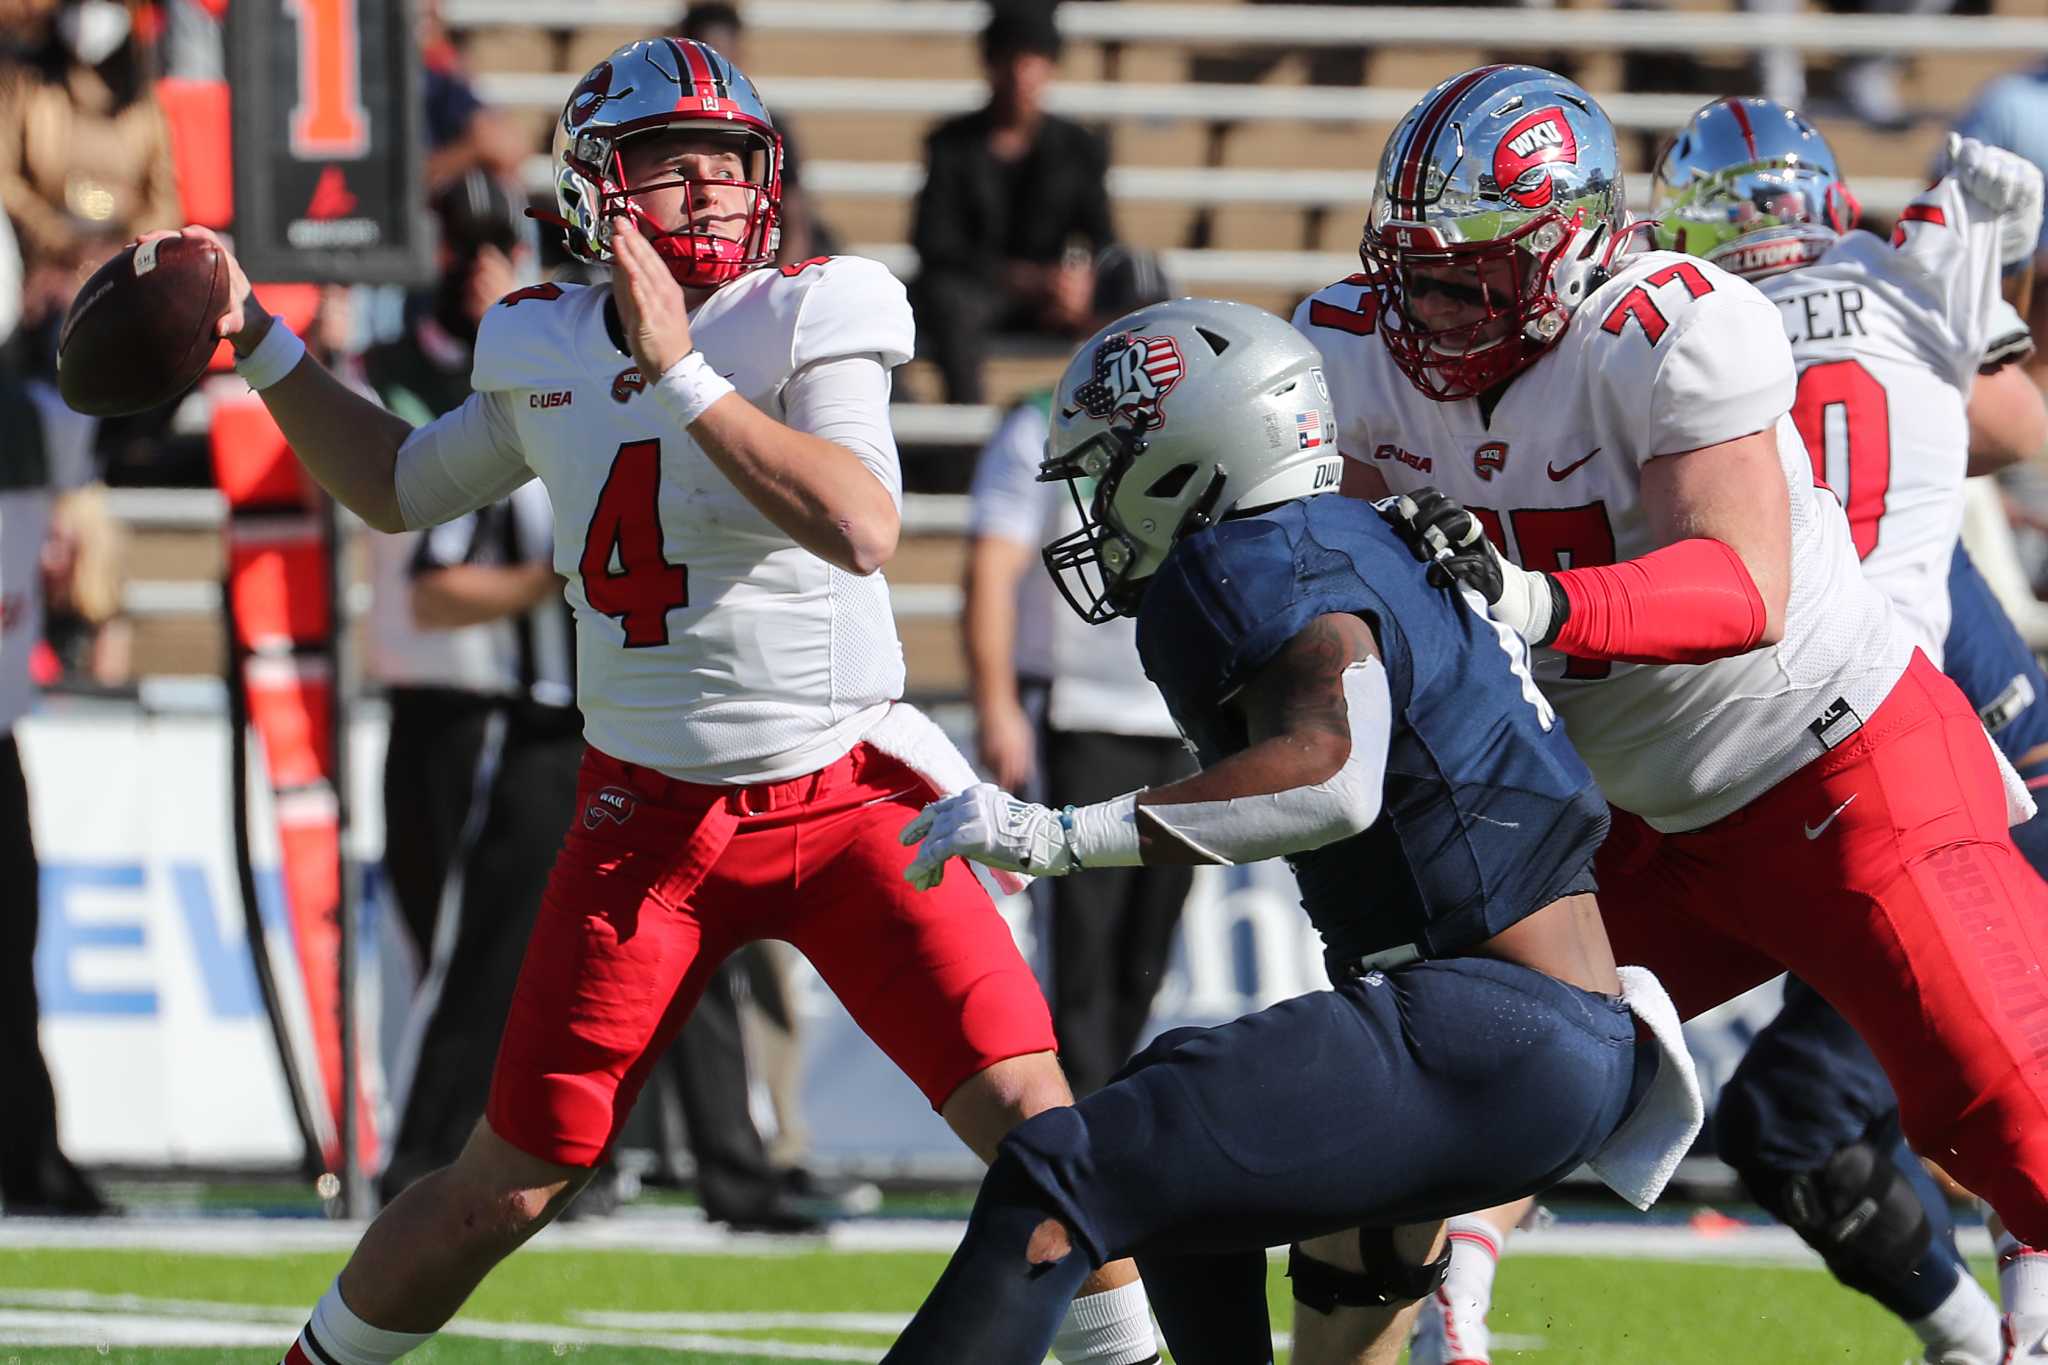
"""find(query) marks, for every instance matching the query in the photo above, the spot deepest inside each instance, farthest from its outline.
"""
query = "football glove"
(1444, 533)
(2007, 183)
(992, 827)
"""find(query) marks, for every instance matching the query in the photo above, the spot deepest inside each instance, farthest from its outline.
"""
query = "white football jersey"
(1670, 355)
(1888, 337)
(709, 645)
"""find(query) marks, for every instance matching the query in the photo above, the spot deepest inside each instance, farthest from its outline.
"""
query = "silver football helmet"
(1167, 421)
(1497, 209)
(1751, 186)
(649, 86)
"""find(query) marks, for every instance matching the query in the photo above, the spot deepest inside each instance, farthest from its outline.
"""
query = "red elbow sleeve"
(1688, 603)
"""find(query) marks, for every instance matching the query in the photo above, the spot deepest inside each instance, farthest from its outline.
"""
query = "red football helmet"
(650, 86)
(1497, 209)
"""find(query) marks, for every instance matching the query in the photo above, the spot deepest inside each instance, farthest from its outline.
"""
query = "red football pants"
(659, 881)
(1883, 874)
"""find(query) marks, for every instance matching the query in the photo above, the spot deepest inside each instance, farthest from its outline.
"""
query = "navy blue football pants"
(1808, 1086)
(1401, 1097)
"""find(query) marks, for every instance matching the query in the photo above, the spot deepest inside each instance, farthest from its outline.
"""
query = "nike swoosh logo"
(1815, 831)
(1557, 475)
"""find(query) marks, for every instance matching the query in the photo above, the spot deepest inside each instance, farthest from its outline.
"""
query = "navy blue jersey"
(1488, 813)
(1989, 661)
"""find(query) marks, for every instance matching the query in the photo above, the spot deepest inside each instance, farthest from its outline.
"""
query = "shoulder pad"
(841, 306)
(1222, 605)
(1655, 291)
(527, 339)
(1349, 307)
(1689, 356)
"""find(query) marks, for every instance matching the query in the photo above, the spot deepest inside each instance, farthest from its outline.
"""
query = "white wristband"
(1104, 834)
(276, 356)
(689, 387)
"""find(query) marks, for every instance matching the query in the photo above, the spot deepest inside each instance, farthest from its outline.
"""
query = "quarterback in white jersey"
(713, 432)
(1794, 785)
(711, 646)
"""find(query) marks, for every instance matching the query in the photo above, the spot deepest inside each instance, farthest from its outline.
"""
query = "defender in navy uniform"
(1383, 734)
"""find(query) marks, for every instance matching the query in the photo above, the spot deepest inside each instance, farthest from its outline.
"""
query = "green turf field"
(639, 1308)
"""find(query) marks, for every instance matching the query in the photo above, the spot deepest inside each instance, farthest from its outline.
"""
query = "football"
(140, 332)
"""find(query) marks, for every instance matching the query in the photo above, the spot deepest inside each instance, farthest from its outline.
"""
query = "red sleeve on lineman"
(1688, 603)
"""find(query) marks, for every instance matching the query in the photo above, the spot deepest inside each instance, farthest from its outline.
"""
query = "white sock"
(2022, 1277)
(336, 1336)
(1475, 1252)
(1965, 1326)
(1110, 1328)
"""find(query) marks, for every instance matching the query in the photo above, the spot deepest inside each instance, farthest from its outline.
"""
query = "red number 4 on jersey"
(646, 587)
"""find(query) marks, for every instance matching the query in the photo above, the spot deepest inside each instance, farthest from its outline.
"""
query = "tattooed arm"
(1300, 713)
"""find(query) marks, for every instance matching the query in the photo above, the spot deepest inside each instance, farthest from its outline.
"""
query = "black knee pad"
(1738, 1125)
(1858, 1211)
(1386, 1282)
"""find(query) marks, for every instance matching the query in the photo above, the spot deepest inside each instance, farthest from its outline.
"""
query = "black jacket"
(968, 218)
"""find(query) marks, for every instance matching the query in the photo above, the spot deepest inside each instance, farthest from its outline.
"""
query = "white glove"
(2005, 181)
(990, 826)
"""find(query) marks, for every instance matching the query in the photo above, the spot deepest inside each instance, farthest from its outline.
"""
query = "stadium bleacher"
(1252, 189)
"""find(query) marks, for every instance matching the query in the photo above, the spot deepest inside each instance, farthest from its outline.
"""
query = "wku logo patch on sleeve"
(1537, 140)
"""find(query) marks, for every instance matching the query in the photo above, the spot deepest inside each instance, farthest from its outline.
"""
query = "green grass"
(1590, 1311)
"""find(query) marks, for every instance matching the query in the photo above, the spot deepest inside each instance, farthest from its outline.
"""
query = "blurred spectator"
(47, 451)
(88, 638)
(85, 158)
(803, 235)
(1868, 85)
(462, 131)
(1014, 208)
(21, 25)
(1051, 690)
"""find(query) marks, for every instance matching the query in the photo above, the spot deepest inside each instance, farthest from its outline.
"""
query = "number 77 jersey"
(1669, 355)
(1889, 337)
(709, 645)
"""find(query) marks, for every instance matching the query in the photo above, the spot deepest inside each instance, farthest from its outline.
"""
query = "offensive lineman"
(1904, 351)
(720, 517)
(1906, 384)
(1384, 735)
(1619, 425)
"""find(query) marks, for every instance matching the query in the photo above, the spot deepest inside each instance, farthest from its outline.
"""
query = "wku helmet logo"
(1538, 140)
(592, 94)
(1132, 376)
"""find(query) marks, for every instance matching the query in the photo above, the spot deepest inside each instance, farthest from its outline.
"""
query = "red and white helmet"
(1508, 175)
(653, 86)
